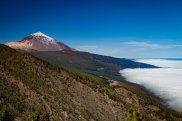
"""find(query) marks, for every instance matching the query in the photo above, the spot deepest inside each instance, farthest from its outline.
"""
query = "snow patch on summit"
(39, 42)
(40, 34)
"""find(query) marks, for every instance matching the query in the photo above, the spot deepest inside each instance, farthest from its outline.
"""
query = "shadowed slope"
(98, 65)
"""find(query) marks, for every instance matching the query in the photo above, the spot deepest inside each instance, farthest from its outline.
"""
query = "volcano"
(39, 42)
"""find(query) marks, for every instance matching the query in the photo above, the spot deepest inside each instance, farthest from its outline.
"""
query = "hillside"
(35, 90)
(98, 65)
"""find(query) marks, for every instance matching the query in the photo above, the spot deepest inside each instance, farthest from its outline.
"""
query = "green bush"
(33, 116)
(134, 115)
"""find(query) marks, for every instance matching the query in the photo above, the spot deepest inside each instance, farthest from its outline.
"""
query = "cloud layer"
(162, 63)
(149, 44)
(131, 48)
(164, 82)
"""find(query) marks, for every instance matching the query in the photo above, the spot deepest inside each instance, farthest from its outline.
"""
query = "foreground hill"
(34, 90)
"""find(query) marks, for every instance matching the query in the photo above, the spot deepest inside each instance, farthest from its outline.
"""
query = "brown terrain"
(34, 90)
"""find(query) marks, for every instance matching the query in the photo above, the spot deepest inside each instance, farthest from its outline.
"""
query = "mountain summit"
(39, 42)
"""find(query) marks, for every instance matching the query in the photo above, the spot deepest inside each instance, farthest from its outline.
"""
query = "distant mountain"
(39, 42)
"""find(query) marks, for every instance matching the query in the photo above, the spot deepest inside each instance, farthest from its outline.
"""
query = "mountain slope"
(32, 89)
(39, 42)
(94, 64)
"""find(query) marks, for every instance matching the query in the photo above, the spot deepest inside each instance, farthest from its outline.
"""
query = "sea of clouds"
(165, 82)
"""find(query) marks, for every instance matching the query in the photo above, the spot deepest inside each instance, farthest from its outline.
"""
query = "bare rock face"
(39, 42)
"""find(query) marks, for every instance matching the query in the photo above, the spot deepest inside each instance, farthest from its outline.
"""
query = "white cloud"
(162, 63)
(149, 44)
(131, 49)
(164, 82)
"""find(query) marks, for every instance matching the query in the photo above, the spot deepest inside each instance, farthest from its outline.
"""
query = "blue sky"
(121, 28)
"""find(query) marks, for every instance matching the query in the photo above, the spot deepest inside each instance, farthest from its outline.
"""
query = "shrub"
(33, 116)
(134, 115)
